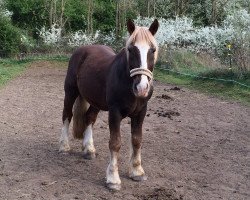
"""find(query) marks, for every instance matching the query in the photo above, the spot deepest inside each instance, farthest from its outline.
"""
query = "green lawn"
(220, 88)
(229, 90)
(203, 73)
(9, 69)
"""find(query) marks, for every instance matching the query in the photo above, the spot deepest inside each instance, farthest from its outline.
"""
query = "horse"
(99, 79)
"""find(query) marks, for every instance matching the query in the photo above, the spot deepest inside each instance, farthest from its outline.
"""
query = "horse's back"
(90, 54)
(89, 68)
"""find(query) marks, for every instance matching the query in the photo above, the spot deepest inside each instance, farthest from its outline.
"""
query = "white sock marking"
(112, 170)
(88, 142)
(64, 139)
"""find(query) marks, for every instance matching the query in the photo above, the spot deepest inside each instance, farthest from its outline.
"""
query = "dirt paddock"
(194, 146)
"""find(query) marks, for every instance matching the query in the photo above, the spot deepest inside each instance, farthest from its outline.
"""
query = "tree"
(123, 11)
(10, 38)
(28, 14)
(181, 7)
(57, 13)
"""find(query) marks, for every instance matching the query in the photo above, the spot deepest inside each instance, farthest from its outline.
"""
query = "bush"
(239, 21)
(10, 38)
(181, 33)
(81, 38)
(51, 36)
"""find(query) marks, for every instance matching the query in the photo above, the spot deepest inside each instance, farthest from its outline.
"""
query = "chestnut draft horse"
(98, 79)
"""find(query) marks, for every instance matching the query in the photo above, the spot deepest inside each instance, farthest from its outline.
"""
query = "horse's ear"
(130, 26)
(154, 27)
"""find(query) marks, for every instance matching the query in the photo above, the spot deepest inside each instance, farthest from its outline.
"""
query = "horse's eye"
(153, 49)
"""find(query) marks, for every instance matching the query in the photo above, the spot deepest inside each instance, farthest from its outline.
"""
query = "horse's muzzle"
(142, 81)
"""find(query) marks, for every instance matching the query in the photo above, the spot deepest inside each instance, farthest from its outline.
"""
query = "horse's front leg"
(136, 171)
(112, 174)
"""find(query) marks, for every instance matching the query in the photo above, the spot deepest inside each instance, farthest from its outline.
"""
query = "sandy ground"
(194, 146)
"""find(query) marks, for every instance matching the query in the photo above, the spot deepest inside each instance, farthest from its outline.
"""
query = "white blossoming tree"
(181, 32)
(52, 35)
(81, 38)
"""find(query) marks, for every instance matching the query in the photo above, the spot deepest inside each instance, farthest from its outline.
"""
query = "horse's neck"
(121, 65)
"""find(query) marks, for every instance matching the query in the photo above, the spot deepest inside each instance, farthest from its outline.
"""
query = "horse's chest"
(133, 108)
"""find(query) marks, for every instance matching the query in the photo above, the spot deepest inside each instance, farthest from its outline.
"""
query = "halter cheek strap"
(140, 71)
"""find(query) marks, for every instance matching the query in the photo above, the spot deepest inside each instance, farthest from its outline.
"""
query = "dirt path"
(194, 146)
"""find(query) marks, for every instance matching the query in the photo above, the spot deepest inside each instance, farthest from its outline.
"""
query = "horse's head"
(142, 51)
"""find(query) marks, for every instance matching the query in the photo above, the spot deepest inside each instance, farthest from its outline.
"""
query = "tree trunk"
(54, 13)
(181, 7)
(214, 13)
(117, 19)
(51, 13)
(125, 14)
(148, 8)
(90, 17)
(177, 7)
(62, 13)
(154, 7)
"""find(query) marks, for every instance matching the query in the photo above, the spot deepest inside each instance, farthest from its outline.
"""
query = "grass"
(181, 67)
(220, 88)
(184, 63)
(10, 69)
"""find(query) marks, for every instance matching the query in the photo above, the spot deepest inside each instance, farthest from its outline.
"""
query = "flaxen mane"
(143, 35)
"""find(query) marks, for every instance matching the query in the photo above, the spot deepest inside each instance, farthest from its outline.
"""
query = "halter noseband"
(141, 71)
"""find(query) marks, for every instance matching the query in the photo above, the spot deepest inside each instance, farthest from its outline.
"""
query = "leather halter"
(141, 71)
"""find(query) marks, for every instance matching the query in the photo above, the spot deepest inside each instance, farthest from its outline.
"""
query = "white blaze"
(142, 87)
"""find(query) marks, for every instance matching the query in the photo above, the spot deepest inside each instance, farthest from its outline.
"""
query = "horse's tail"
(79, 117)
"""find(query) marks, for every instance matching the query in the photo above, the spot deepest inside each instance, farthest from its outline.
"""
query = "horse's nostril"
(135, 87)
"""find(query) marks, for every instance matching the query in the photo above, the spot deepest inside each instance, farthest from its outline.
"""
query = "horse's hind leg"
(69, 100)
(88, 142)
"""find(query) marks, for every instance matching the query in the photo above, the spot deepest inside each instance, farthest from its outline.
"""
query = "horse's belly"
(93, 89)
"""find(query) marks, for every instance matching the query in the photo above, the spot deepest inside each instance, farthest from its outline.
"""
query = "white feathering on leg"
(88, 142)
(64, 139)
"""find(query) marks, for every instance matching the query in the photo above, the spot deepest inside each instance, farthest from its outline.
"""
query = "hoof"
(64, 148)
(89, 155)
(114, 187)
(139, 178)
